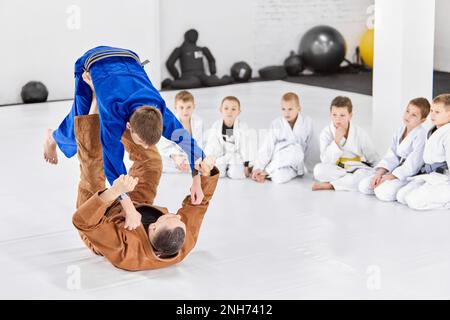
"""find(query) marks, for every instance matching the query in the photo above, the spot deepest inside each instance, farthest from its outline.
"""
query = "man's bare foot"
(322, 186)
(50, 154)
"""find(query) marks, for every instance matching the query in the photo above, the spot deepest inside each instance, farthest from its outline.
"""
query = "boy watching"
(281, 156)
(404, 157)
(346, 151)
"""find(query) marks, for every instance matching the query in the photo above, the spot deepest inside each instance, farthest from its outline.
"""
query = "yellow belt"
(343, 160)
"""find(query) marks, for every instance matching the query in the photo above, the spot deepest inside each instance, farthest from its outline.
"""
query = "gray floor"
(257, 242)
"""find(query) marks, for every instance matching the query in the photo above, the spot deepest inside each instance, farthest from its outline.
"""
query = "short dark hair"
(444, 99)
(342, 102)
(423, 104)
(231, 98)
(168, 242)
(146, 121)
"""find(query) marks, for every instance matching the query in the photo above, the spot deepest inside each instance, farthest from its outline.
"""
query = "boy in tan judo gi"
(162, 239)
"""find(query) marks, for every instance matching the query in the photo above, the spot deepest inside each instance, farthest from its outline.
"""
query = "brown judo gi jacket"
(101, 224)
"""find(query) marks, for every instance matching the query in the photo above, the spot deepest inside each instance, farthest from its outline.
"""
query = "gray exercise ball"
(323, 49)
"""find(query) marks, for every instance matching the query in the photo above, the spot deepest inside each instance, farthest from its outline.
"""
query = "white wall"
(42, 39)
(280, 24)
(403, 62)
(261, 32)
(38, 43)
(442, 39)
(225, 27)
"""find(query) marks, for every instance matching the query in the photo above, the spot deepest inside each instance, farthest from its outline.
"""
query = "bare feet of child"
(50, 154)
(322, 186)
(259, 176)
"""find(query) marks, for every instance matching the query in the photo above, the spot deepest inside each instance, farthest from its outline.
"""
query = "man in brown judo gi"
(162, 239)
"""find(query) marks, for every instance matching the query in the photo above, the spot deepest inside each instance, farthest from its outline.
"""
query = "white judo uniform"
(231, 152)
(282, 154)
(432, 190)
(404, 159)
(347, 164)
(167, 148)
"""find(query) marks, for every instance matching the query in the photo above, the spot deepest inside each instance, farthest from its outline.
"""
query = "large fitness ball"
(33, 92)
(323, 49)
(241, 71)
(366, 48)
(293, 64)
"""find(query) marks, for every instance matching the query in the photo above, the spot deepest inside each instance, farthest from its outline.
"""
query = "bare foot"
(261, 177)
(50, 154)
(322, 186)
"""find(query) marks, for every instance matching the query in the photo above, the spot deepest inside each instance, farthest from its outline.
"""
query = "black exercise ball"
(241, 71)
(33, 92)
(323, 49)
(293, 64)
(273, 73)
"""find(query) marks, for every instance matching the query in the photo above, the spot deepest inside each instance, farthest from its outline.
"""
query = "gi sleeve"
(91, 213)
(192, 215)
(330, 152)
(368, 150)
(390, 160)
(173, 130)
(266, 150)
(413, 161)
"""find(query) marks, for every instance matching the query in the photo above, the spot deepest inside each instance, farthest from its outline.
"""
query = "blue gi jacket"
(121, 85)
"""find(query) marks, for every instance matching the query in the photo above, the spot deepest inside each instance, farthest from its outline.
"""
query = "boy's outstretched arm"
(197, 194)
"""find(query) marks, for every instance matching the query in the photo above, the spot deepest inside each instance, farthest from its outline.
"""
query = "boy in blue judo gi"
(115, 80)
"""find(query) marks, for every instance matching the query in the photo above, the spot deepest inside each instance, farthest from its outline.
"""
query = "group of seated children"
(414, 170)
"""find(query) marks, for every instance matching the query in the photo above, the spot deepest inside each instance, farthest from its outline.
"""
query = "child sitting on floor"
(346, 151)
(230, 142)
(282, 154)
(404, 157)
(174, 159)
(431, 189)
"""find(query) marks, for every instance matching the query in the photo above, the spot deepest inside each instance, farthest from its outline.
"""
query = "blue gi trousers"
(121, 86)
